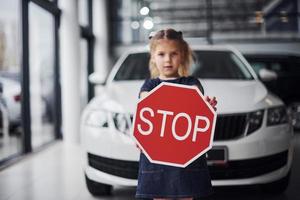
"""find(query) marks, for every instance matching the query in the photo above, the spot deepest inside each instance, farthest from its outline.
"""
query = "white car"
(253, 135)
(11, 101)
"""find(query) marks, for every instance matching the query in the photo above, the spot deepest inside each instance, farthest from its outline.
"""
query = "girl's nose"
(167, 58)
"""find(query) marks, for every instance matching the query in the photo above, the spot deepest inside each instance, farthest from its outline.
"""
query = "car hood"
(10, 87)
(233, 96)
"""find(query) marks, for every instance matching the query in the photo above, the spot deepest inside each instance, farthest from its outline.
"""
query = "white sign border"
(192, 87)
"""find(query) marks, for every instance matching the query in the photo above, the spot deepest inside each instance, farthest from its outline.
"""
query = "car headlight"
(122, 122)
(98, 118)
(255, 120)
(102, 118)
(277, 115)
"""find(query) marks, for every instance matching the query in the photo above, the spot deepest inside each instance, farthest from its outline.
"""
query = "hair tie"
(180, 34)
(151, 35)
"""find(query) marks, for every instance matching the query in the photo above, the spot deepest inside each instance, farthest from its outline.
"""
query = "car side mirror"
(267, 75)
(97, 79)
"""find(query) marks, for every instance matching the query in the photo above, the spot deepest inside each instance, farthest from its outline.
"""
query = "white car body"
(11, 100)
(234, 97)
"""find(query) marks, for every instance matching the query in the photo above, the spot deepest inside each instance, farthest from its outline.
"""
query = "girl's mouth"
(168, 67)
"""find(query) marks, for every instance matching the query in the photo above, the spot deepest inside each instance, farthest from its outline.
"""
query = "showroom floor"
(56, 174)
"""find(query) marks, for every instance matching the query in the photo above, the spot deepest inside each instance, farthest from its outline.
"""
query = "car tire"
(278, 186)
(97, 189)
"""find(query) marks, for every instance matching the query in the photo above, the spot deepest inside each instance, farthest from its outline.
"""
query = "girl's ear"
(152, 58)
(151, 61)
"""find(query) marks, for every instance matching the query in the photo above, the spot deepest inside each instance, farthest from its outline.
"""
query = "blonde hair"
(185, 51)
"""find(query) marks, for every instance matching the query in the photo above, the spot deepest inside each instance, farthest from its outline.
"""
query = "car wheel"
(97, 189)
(277, 187)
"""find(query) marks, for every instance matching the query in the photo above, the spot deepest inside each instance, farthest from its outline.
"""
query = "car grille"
(232, 170)
(125, 169)
(228, 126)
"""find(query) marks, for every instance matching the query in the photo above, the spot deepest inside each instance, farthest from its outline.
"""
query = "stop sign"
(174, 125)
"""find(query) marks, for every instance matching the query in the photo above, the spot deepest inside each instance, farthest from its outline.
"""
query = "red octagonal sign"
(174, 125)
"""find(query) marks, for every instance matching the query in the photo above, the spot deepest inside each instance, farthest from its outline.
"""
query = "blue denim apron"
(162, 181)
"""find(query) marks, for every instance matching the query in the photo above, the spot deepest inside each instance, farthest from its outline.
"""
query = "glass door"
(11, 132)
(42, 76)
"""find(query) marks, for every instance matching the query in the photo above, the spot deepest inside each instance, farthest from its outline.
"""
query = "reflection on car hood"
(233, 96)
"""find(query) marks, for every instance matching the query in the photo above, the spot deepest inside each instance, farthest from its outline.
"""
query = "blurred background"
(48, 49)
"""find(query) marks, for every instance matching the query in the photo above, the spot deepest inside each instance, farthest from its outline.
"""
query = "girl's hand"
(212, 101)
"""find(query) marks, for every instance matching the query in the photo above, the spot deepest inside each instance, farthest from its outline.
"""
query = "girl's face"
(167, 58)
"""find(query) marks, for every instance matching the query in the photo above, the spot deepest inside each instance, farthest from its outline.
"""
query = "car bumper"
(262, 157)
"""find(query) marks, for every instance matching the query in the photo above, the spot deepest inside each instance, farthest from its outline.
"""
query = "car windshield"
(207, 65)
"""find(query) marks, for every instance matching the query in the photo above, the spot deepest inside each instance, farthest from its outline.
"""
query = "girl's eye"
(160, 54)
(174, 54)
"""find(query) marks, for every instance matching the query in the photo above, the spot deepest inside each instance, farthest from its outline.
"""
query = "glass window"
(208, 64)
(41, 64)
(135, 67)
(10, 87)
(219, 65)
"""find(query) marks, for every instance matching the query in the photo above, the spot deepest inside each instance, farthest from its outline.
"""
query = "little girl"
(170, 60)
